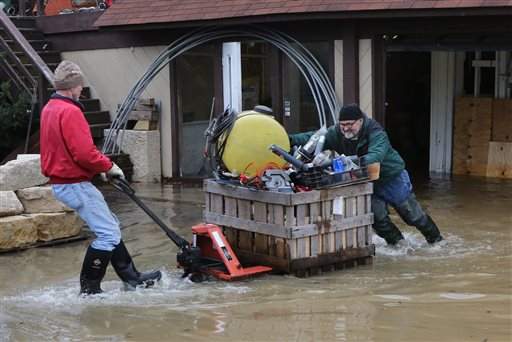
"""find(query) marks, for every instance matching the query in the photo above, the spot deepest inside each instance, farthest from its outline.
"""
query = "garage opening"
(407, 115)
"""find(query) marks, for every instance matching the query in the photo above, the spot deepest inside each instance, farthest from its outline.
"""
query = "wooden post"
(350, 65)
(21, 8)
(42, 92)
(40, 7)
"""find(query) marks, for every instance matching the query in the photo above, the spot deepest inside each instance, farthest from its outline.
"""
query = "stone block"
(27, 156)
(17, 231)
(54, 226)
(20, 174)
(10, 205)
(40, 200)
(144, 150)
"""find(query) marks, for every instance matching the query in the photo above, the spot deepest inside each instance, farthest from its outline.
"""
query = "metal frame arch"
(315, 76)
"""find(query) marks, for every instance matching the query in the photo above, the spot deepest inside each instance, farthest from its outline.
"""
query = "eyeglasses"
(348, 124)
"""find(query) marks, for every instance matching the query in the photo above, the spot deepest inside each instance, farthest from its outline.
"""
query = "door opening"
(407, 116)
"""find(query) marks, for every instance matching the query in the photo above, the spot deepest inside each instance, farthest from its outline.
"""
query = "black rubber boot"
(126, 271)
(388, 231)
(93, 270)
(383, 226)
(413, 214)
(430, 231)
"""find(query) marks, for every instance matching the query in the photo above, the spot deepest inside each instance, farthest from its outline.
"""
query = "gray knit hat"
(67, 75)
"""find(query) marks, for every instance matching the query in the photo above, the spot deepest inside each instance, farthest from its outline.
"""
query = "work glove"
(114, 172)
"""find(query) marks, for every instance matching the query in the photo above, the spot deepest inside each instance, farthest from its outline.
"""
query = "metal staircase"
(28, 60)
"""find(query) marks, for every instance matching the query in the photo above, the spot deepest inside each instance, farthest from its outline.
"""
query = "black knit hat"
(350, 112)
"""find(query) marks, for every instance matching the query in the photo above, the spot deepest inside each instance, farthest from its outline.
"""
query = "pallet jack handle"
(210, 253)
(123, 186)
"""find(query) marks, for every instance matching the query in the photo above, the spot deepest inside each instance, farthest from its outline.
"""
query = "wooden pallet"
(301, 233)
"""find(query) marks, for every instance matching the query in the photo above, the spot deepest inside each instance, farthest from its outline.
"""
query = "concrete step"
(47, 56)
(97, 129)
(37, 44)
(29, 33)
(99, 117)
(91, 105)
(33, 70)
(25, 22)
(86, 94)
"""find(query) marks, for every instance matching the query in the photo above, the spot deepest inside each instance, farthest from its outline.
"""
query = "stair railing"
(36, 87)
(15, 69)
(16, 35)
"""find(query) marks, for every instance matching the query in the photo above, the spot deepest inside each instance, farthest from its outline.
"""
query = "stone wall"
(29, 214)
(144, 150)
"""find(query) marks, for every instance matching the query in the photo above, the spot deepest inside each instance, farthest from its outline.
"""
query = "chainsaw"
(208, 254)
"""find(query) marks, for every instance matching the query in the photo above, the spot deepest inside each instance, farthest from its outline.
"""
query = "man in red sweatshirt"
(70, 159)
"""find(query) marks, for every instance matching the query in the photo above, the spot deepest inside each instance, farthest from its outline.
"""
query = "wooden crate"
(472, 133)
(300, 233)
(502, 120)
(500, 160)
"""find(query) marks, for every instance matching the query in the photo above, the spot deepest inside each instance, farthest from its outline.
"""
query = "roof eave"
(347, 15)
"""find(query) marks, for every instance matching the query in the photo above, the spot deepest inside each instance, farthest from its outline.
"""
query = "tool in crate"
(314, 168)
(237, 146)
(208, 254)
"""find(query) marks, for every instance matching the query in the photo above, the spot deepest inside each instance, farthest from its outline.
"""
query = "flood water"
(459, 290)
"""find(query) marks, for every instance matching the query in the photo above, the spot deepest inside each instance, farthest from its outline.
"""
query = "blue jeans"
(90, 205)
(396, 190)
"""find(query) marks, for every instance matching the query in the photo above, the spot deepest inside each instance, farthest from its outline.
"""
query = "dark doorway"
(408, 108)
(300, 113)
(197, 87)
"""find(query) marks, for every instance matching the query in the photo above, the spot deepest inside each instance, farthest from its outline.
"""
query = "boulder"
(22, 173)
(54, 226)
(9, 204)
(40, 200)
(17, 231)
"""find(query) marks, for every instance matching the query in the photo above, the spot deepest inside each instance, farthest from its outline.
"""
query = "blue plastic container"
(338, 165)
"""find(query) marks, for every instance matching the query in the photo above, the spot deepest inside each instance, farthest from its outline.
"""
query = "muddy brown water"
(459, 290)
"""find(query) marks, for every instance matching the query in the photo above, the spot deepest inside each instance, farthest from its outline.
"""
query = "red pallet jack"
(209, 253)
(214, 246)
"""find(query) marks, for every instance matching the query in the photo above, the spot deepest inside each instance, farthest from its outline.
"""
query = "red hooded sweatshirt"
(68, 154)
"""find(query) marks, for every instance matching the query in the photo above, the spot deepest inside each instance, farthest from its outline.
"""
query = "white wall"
(232, 75)
(365, 76)
(502, 74)
(443, 85)
(112, 72)
(338, 69)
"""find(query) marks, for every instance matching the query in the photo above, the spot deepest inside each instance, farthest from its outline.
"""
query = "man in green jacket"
(356, 134)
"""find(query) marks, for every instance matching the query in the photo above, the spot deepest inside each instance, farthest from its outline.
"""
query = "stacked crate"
(301, 233)
(472, 134)
(482, 138)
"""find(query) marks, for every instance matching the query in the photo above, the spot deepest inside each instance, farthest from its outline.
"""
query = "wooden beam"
(379, 80)
(350, 65)
(175, 121)
(146, 115)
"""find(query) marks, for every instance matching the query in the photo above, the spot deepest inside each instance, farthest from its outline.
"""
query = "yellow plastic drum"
(247, 146)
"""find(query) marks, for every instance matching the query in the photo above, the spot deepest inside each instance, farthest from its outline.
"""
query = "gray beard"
(350, 135)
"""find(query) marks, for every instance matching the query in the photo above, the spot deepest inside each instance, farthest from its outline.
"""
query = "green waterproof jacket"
(372, 143)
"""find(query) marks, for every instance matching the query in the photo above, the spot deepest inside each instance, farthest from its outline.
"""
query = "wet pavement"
(459, 290)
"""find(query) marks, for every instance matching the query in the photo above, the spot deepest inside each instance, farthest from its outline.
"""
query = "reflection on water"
(458, 290)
